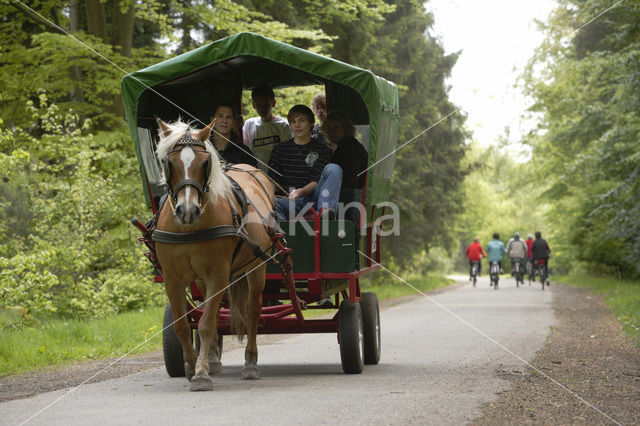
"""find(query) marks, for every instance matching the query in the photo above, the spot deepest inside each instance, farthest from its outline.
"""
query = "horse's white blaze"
(187, 155)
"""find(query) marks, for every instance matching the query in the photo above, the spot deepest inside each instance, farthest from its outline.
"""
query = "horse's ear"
(204, 134)
(165, 129)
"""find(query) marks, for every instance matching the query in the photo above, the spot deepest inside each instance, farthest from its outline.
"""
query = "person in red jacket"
(475, 253)
(529, 242)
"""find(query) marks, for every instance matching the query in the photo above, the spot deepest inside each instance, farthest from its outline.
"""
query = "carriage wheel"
(371, 327)
(351, 338)
(171, 347)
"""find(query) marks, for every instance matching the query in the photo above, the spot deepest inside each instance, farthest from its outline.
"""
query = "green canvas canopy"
(189, 85)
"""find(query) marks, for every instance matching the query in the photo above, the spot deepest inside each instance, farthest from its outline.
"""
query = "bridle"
(187, 140)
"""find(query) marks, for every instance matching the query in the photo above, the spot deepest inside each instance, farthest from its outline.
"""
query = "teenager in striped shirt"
(301, 167)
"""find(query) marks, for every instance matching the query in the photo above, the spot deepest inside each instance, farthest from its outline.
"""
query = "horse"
(203, 202)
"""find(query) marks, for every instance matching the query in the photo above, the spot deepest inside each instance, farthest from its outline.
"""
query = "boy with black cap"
(262, 133)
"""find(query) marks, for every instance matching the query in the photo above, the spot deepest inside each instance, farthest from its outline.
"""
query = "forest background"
(68, 174)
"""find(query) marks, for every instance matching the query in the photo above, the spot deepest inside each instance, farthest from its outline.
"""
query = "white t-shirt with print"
(261, 136)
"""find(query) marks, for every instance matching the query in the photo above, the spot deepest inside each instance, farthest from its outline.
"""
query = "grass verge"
(623, 297)
(54, 341)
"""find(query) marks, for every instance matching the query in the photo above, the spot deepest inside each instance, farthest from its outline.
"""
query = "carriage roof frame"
(223, 68)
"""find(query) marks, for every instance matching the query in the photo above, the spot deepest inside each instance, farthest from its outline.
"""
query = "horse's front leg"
(256, 282)
(208, 332)
(215, 354)
(176, 294)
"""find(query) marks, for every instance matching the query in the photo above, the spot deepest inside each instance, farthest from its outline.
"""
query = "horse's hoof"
(188, 371)
(250, 373)
(201, 382)
(215, 368)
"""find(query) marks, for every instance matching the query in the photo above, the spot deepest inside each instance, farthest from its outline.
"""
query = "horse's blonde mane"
(219, 185)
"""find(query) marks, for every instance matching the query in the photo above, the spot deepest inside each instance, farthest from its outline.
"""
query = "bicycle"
(541, 269)
(531, 271)
(494, 274)
(517, 272)
(474, 272)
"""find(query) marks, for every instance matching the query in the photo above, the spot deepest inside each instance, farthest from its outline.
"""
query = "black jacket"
(237, 153)
(353, 158)
(540, 249)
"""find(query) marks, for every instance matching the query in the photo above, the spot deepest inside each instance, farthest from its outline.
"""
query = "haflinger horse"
(198, 238)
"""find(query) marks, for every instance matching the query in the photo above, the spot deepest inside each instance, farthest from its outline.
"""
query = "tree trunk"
(123, 29)
(122, 36)
(74, 18)
(185, 25)
(96, 19)
(74, 25)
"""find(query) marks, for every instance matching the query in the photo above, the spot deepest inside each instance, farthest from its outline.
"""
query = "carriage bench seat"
(337, 241)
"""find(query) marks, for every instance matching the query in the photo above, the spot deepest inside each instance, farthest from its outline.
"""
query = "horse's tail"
(238, 296)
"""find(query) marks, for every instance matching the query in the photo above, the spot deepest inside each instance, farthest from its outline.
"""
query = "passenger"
(319, 108)
(225, 139)
(349, 154)
(301, 166)
(262, 133)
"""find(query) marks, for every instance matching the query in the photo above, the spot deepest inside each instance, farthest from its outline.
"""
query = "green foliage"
(76, 254)
(54, 60)
(587, 92)
(25, 280)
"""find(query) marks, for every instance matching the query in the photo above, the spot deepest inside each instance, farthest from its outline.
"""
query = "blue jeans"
(325, 195)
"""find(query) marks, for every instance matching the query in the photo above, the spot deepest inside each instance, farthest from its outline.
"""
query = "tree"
(586, 146)
(428, 172)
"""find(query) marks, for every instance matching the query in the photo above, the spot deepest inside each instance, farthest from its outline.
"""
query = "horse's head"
(188, 162)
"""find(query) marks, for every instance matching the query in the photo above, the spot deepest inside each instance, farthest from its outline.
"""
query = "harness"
(186, 139)
(236, 230)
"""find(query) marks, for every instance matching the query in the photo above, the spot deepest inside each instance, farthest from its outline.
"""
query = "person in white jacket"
(267, 130)
(516, 250)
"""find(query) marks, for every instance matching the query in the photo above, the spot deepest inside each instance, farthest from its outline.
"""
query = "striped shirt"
(294, 166)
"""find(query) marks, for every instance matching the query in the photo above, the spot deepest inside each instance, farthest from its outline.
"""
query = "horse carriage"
(300, 262)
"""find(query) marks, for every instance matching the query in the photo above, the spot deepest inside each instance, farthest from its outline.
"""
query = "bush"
(26, 281)
(66, 196)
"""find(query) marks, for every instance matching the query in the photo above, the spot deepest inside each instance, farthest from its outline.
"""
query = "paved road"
(434, 368)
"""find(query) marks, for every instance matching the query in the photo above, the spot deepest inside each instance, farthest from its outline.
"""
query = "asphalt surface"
(438, 365)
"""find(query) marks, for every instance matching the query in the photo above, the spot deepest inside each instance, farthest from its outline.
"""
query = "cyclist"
(540, 250)
(517, 250)
(529, 242)
(475, 253)
(495, 250)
